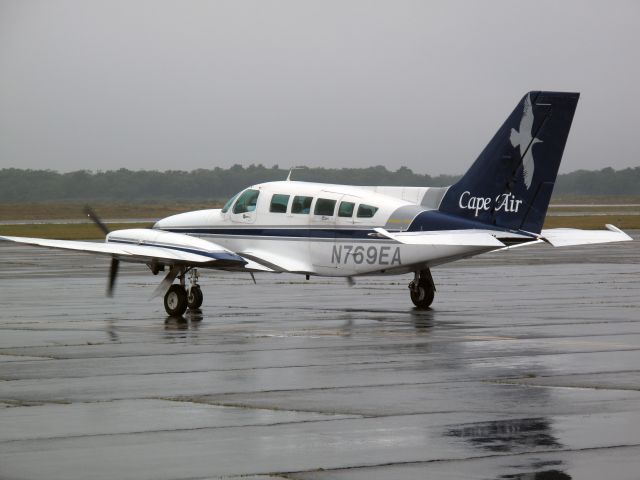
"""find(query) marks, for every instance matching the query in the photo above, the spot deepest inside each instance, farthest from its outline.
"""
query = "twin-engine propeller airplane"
(348, 231)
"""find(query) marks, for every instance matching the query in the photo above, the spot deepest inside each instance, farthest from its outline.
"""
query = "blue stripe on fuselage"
(426, 221)
(328, 233)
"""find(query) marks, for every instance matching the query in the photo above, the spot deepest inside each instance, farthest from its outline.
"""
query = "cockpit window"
(325, 207)
(366, 211)
(346, 209)
(279, 203)
(301, 204)
(227, 205)
(246, 201)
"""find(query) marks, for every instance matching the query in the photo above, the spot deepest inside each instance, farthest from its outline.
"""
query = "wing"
(146, 246)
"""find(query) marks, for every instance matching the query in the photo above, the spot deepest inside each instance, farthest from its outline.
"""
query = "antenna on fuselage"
(291, 171)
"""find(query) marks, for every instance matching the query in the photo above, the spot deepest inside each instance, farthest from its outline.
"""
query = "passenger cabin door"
(346, 213)
(347, 233)
(322, 229)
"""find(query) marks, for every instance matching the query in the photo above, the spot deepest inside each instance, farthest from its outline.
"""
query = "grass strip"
(69, 211)
(77, 231)
(596, 222)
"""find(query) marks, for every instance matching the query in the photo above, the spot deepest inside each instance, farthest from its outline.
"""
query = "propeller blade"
(92, 215)
(113, 272)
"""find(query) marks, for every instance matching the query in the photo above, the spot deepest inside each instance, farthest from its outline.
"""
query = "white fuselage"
(319, 229)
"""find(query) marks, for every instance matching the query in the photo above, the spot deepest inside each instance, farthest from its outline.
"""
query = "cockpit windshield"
(227, 205)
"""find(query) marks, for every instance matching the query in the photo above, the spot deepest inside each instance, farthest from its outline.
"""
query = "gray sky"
(156, 84)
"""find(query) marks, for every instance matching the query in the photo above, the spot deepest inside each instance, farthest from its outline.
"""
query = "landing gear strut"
(422, 289)
(178, 298)
(194, 294)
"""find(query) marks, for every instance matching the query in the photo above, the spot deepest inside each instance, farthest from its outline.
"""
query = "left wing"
(147, 246)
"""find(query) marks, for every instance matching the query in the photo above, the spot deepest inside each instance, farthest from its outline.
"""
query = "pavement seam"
(194, 429)
(316, 365)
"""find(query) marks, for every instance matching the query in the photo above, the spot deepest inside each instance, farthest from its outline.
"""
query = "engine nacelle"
(176, 241)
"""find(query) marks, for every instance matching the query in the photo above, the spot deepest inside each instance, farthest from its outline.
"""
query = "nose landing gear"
(178, 298)
(422, 289)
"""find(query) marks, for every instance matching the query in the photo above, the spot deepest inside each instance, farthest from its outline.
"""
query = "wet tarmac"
(527, 366)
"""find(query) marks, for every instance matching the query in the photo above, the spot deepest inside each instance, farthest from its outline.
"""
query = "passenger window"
(346, 209)
(246, 201)
(366, 211)
(279, 203)
(301, 204)
(325, 207)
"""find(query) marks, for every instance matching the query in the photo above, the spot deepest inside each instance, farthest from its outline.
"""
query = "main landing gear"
(422, 289)
(178, 298)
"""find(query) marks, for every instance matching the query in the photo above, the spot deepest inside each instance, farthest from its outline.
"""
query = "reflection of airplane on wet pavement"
(346, 231)
(516, 436)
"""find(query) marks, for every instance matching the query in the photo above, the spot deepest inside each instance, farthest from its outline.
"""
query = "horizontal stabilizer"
(469, 238)
(565, 237)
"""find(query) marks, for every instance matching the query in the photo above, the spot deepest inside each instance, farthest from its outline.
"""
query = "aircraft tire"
(195, 298)
(422, 296)
(175, 300)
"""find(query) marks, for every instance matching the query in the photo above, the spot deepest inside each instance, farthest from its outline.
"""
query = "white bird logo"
(523, 138)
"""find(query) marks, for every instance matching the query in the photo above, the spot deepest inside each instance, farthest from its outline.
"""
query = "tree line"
(20, 185)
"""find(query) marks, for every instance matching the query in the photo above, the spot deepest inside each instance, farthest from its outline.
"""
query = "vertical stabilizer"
(510, 183)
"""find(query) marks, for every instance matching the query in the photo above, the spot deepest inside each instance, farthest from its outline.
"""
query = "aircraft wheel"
(422, 295)
(175, 300)
(194, 298)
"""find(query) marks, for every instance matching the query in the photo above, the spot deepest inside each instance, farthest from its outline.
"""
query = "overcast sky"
(197, 84)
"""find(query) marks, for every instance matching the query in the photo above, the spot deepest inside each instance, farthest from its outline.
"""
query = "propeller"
(113, 272)
(92, 215)
(115, 263)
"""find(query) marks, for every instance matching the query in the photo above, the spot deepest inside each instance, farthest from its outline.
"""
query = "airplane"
(316, 229)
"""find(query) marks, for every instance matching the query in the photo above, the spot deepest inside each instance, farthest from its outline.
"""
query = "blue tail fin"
(510, 183)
